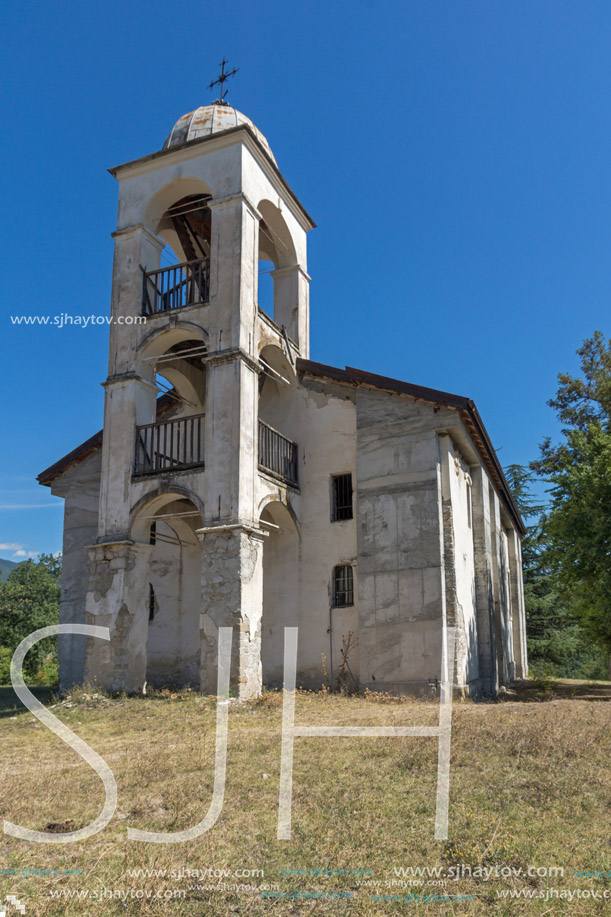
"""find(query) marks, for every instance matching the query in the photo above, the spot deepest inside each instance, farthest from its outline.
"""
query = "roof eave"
(54, 471)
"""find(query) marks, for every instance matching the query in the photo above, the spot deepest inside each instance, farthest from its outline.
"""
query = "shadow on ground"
(546, 689)
(10, 704)
(528, 691)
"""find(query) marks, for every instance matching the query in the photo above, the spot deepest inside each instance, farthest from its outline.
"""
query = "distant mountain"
(5, 568)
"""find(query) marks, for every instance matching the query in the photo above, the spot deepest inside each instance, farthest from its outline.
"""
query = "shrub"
(6, 655)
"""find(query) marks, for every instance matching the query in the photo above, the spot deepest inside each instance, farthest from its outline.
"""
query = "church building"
(238, 483)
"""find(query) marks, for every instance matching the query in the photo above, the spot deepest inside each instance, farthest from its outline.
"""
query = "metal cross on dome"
(222, 78)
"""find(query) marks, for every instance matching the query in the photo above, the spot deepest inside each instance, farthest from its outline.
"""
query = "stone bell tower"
(180, 468)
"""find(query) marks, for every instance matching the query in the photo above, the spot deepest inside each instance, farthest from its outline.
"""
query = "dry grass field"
(530, 787)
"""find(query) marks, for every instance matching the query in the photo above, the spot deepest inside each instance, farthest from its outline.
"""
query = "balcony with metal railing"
(170, 445)
(176, 287)
(175, 445)
(277, 454)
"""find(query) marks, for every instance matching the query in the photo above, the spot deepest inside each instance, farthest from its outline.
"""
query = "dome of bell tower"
(212, 119)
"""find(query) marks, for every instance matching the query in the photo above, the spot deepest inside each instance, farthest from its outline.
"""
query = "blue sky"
(455, 155)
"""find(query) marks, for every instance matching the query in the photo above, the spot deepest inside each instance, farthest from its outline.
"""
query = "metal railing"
(170, 445)
(175, 287)
(277, 454)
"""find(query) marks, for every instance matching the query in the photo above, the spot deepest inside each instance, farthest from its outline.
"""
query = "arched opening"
(173, 590)
(275, 237)
(174, 212)
(276, 250)
(280, 587)
(268, 262)
(181, 373)
(277, 416)
(276, 380)
(170, 434)
(185, 228)
(184, 224)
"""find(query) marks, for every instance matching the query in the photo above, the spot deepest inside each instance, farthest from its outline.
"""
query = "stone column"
(518, 614)
(234, 269)
(505, 602)
(484, 592)
(129, 399)
(231, 439)
(499, 586)
(291, 304)
(454, 611)
(135, 248)
(118, 599)
(232, 596)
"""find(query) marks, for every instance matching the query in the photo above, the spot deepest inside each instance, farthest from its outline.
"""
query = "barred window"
(343, 586)
(342, 497)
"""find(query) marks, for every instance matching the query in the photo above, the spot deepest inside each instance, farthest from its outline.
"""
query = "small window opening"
(343, 586)
(151, 602)
(342, 497)
(153, 535)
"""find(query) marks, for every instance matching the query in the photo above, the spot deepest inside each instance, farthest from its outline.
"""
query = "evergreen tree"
(578, 524)
(557, 642)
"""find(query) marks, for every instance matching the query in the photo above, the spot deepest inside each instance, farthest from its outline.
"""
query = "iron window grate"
(343, 586)
(342, 497)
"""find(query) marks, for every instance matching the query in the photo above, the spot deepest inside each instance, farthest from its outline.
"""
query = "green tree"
(578, 524)
(557, 642)
(29, 600)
